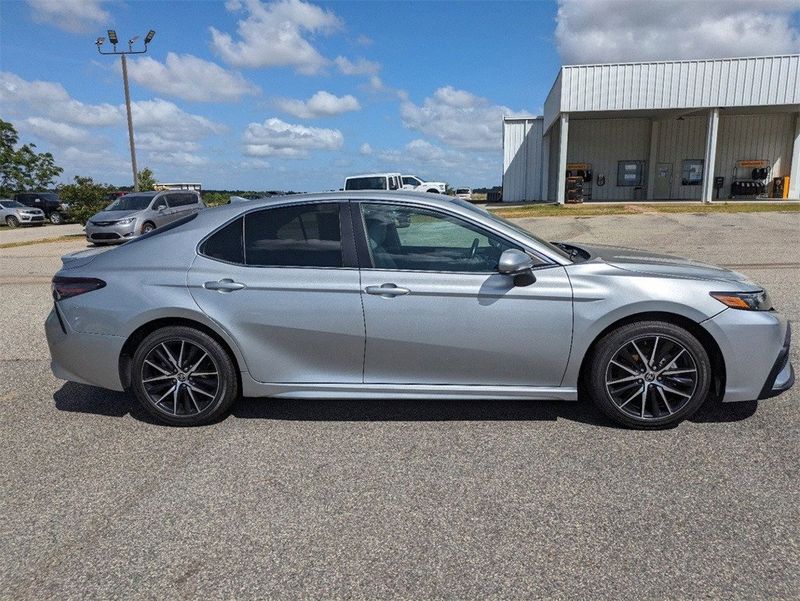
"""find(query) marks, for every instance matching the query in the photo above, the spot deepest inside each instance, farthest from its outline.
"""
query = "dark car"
(48, 202)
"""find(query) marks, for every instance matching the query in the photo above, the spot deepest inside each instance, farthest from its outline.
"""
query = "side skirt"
(251, 388)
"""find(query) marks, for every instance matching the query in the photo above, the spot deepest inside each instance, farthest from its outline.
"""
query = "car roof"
(383, 174)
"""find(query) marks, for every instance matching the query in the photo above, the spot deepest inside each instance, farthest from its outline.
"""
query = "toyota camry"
(407, 296)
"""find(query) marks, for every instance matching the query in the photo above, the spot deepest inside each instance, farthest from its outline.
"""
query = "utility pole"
(112, 37)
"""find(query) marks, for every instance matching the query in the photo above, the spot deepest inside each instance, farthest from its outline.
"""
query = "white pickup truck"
(412, 182)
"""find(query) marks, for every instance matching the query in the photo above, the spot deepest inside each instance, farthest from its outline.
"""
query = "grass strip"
(594, 210)
(19, 243)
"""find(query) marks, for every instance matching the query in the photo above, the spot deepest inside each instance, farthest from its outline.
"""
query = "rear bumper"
(86, 358)
(781, 376)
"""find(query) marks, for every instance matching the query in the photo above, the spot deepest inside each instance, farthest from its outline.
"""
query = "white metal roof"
(685, 84)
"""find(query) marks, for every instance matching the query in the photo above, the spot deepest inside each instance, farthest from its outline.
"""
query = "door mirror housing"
(514, 262)
(518, 264)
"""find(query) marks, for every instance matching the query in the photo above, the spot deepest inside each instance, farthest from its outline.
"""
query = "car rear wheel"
(12, 221)
(649, 375)
(183, 376)
(56, 218)
(148, 227)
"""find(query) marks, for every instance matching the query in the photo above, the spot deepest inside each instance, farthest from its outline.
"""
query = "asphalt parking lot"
(402, 499)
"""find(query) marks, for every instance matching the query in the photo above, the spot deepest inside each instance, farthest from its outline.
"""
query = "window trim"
(349, 260)
(365, 257)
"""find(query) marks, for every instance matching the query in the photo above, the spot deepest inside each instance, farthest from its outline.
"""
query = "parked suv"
(139, 213)
(14, 214)
(49, 202)
(374, 181)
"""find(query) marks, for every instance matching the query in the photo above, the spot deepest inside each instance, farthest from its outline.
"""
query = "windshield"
(131, 202)
(510, 224)
(51, 196)
(11, 204)
(463, 191)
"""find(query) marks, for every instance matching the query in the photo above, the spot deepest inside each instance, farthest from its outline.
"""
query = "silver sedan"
(405, 295)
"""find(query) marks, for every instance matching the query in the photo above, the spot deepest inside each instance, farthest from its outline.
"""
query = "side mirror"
(161, 208)
(518, 264)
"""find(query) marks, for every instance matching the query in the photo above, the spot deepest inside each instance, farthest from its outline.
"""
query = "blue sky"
(297, 95)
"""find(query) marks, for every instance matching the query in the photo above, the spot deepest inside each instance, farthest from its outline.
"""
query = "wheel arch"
(706, 339)
(144, 330)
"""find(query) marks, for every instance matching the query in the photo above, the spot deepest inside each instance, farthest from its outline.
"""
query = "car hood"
(113, 215)
(644, 262)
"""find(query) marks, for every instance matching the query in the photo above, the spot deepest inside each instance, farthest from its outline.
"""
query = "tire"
(628, 388)
(185, 399)
(148, 227)
(12, 221)
(56, 218)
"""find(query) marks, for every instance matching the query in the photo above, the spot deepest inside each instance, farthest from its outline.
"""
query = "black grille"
(105, 236)
(102, 223)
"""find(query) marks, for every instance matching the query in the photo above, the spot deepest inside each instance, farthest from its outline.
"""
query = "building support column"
(711, 155)
(545, 187)
(563, 138)
(794, 175)
(652, 158)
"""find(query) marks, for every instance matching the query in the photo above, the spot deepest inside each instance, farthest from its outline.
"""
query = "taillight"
(64, 287)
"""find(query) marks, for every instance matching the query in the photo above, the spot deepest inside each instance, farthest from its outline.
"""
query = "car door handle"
(224, 285)
(387, 290)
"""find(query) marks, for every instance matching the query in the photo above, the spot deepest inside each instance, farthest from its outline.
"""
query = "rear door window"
(296, 236)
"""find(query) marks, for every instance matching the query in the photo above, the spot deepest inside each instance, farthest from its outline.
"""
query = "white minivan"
(374, 181)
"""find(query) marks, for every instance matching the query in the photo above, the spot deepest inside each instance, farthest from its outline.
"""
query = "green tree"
(23, 168)
(85, 197)
(146, 179)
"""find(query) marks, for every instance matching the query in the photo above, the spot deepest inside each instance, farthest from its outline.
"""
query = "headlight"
(127, 221)
(748, 301)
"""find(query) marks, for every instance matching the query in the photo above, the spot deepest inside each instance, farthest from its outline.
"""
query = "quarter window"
(299, 236)
(401, 237)
(226, 244)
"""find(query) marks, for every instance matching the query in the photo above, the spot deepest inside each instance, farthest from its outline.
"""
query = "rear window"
(366, 183)
(463, 191)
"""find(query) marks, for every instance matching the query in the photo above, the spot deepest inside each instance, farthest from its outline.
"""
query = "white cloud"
(179, 158)
(44, 98)
(458, 118)
(422, 154)
(60, 134)
(596, 31)
(278, 138)
(163, 118)
(48, 111)
(149, 140)
(360, 67)
(272, 35)
(365, 149)
(191, 78)
(321, 104)
(364, 40)
(75, 16)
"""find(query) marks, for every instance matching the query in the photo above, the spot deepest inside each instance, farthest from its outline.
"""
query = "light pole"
(112, 37)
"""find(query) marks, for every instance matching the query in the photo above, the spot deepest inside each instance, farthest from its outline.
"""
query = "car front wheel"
(56, 218)
(12, 221)
(649, 375)
(148, 227)
(183, 376)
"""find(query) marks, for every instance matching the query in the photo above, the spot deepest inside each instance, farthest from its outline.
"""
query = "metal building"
(667, 130)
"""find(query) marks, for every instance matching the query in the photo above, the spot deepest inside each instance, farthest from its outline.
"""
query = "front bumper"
(110, 234)
(30, 218)
(781, 376)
